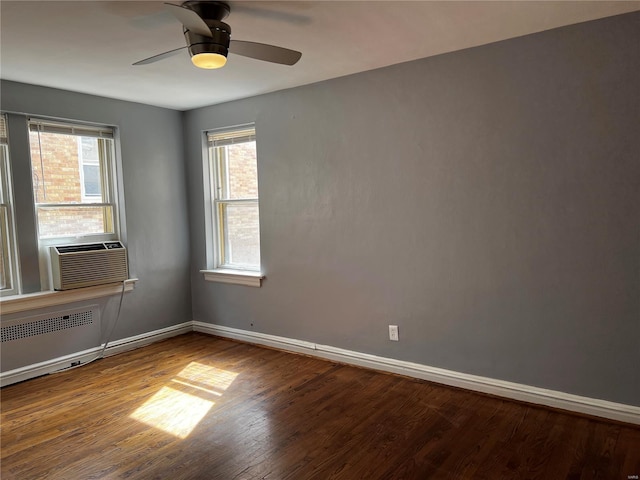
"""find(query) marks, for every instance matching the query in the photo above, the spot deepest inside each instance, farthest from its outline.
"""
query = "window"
(233, 171)
(73, 182)
(8, 264)
(59, 184)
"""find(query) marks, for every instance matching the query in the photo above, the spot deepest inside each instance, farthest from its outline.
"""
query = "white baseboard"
(85, 356)
(515, 391)
(48, 366)
(131, 343)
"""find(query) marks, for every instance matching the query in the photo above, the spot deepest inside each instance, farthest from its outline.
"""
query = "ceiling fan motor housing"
(217, 43)
(208, 10)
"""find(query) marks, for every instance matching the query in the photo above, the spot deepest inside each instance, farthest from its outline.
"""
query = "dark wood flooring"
(201, 407)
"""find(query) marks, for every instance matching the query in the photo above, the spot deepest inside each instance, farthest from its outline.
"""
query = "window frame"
(32, 262)
(216, 175)
(9, 247)
(109, 182)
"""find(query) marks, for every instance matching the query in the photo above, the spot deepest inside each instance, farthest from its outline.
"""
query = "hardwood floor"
(201, 407)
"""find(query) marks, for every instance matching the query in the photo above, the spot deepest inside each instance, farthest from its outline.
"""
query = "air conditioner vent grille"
(88, 266)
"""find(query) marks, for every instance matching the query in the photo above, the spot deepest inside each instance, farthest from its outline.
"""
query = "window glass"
(89, 157)
(241, 171)
(70, 221)
(91, 181)
(242, 233)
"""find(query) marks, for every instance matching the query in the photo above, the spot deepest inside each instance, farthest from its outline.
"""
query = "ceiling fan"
(209, 38)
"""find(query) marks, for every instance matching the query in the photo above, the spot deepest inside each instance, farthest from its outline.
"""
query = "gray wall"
(486, 201)
(155, 202)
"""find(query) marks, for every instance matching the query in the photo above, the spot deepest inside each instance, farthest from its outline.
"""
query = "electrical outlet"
(393, 333)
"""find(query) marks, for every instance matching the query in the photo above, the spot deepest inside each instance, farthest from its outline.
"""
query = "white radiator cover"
(86, 265)
(44, 324)
(32, 339)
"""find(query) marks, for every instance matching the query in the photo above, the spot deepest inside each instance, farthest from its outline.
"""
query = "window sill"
(31, 301)
(236, 277)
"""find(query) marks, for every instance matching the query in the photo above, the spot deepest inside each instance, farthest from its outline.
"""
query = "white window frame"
(108, 172)
(215, 176)
(7, 218)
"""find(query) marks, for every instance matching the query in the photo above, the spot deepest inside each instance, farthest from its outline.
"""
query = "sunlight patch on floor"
(177, 412)
(173, 411)
(207, 376)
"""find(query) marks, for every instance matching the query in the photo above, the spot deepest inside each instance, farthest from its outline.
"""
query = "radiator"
(29, 340)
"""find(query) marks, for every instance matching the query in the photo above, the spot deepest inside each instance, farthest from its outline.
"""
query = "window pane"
(91, 180)
(89, 149)
(242, 171)
(73, 221)
(56, 162)
(242, 234)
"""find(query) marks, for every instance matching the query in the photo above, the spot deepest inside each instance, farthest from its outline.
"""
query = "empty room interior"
(320, 239)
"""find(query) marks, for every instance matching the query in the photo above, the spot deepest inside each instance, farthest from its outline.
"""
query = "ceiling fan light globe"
(209, 61)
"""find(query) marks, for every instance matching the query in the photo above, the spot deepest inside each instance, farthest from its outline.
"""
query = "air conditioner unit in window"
(76, 266)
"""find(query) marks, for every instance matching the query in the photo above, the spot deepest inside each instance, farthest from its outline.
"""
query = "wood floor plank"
(477, 440)
(197, 406)
(599, 463)
(627, 453)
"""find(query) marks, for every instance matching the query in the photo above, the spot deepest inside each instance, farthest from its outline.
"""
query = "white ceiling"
(89, 46)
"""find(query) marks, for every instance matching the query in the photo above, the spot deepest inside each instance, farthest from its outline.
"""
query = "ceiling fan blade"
(160, 56)
(190, 19)
(261, 51)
